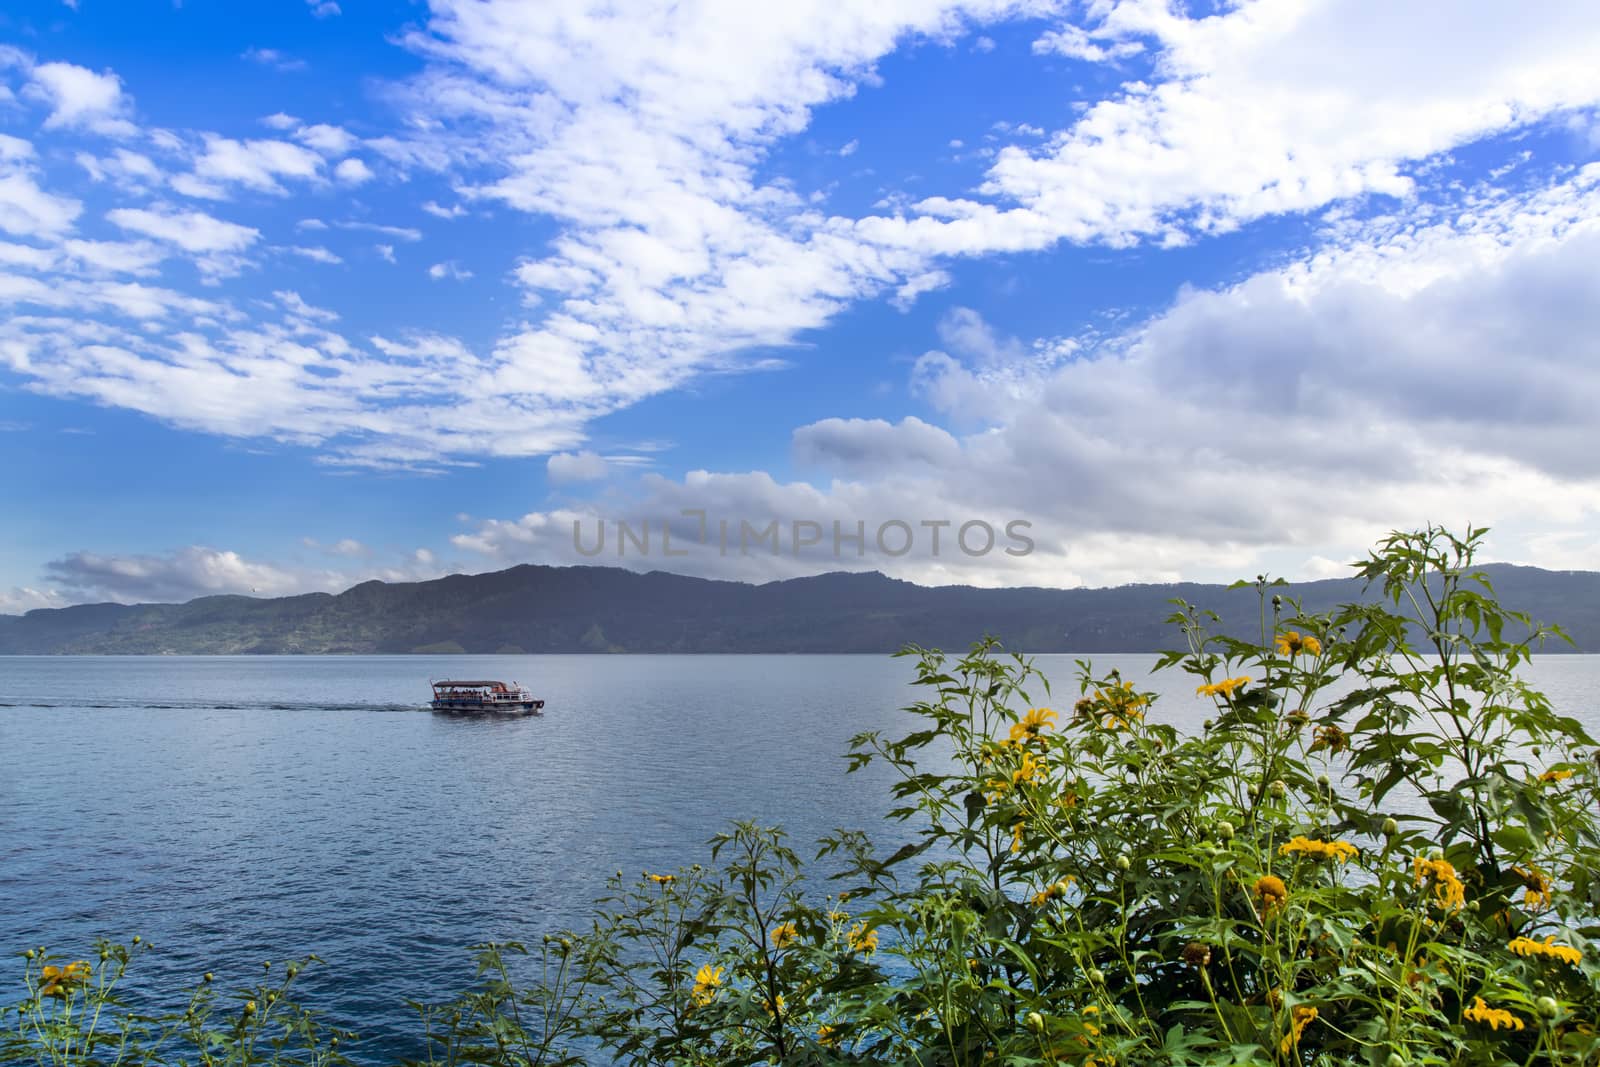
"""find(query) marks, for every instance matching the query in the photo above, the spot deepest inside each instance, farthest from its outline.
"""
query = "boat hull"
(499, 709)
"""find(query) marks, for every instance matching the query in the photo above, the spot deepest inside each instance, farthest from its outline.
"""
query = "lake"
(238, 809)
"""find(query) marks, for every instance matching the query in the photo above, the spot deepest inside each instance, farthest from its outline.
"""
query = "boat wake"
(212, 705)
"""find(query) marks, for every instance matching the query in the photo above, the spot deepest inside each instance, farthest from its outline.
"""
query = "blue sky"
(300, 294)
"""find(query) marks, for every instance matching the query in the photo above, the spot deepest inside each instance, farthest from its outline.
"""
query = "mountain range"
(532, 608)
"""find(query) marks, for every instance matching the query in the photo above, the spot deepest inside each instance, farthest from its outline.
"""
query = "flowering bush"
(1382, 848)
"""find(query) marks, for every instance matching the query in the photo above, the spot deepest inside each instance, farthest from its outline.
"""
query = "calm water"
(234, 810)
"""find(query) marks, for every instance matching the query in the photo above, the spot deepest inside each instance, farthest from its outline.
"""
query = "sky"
(302, 294)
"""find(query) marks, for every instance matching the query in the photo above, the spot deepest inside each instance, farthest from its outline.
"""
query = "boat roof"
(468, 683)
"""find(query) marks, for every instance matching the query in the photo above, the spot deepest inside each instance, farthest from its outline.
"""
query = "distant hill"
(607, 609)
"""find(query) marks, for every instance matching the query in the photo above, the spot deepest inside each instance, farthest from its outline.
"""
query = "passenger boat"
(454, 697)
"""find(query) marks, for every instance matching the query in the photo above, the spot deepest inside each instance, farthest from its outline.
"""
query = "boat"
(458, 697)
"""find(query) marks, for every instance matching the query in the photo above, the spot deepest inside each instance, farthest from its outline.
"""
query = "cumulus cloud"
(201, 570)
(256, 164)
(567, 467)
(79, 98)
(1282, 422)
(676, 252)
(183, 575)
(21, 599)
(1267, 108)
(353, 171)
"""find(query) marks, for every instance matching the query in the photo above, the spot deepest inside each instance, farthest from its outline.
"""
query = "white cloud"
(192, 231)
(202, 570)
(295, 304)
(22, 599)
(26, 209)
(323, 9)
(190, 572)
(385, 252)
(254, 164)
(271, 57)
(81, 99)
(115, 257)
(449, 269)
(353, 171)
(453, 212)
(404, 233)
(1271, 107)
(567, 467)
(1075, 43)
(329, 140)
(926, 282)
(316, 253)
(129, 169)
(1410, 368)
(280, 121)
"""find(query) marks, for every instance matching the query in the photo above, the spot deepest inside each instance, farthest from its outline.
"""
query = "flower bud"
(266, 965)
(1035, 1022)
(1547, 1007)
(29, 954)
(1322, 781)
(1278, 789)
(208, 976)
(136, 939)
(1097, 976)
(1395, 1060)
(249, 1007)
(1390, 827)
(1124, 864)
(1225, 830)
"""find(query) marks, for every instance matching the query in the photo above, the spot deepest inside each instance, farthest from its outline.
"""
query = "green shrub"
(1381, 849)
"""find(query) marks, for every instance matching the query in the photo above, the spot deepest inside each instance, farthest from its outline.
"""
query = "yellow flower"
(783, 935)
(1494, 1017)
(58, 981)
(1536, 886)
(1447, 888)
(1322, 850)
(1273, 893)
(1526, 946)
(1016, 836)
(862, 939)
(1117, 706)
(1034, 723)
(1288, 644)
(1053, 891)
(660, 879)
(767, 1007)
(1555, 776)
(706, 981)
(1312, 646)
(1223, 688)
(1026, 770)
(1300, 1017)
(827, 1036)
